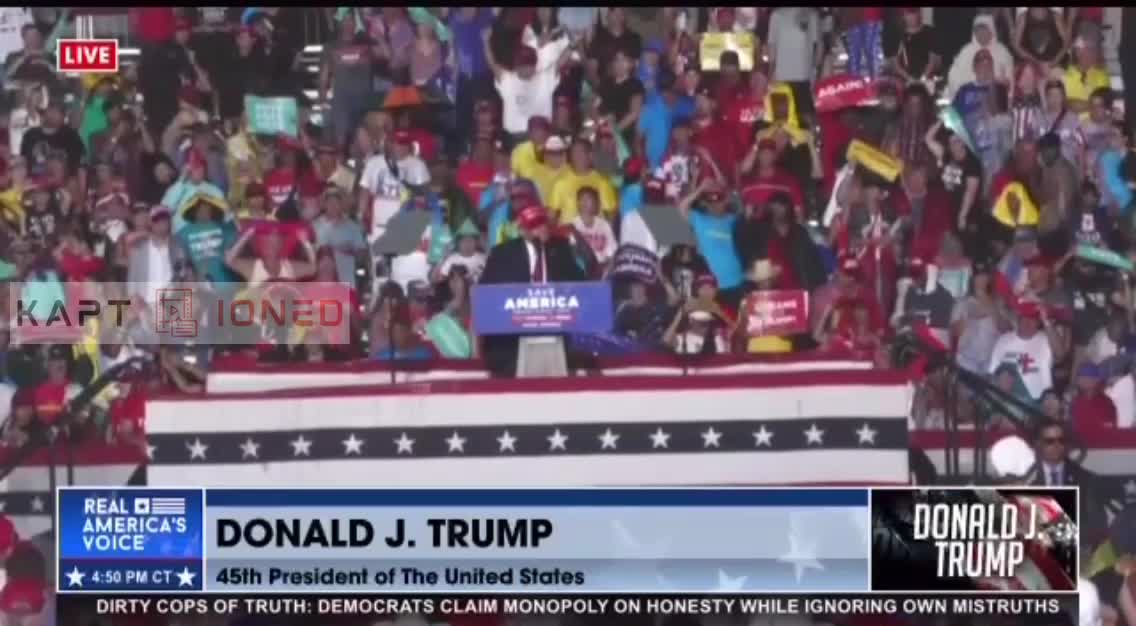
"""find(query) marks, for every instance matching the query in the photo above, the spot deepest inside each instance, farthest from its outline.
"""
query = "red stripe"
(877, 378)
(470, 365)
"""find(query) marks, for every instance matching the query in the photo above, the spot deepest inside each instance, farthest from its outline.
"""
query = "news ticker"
(1022, 607)
(152, 540)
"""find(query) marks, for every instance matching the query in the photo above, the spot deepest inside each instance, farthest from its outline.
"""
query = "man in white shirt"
(1028, 349)
(12, 22)
(526, 90)
(150, 263)
(384, 180)
(794, 46)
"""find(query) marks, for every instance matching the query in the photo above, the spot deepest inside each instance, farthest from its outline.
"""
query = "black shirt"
(915, 50)
(615, 98)
(43, 226)
(39, 143)
(954, 178)
(934, 308)
(1041, 39)
(1090, 298)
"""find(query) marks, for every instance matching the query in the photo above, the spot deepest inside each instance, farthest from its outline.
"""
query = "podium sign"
(544, 309)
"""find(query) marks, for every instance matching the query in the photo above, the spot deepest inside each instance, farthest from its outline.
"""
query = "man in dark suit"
(1054, 468)
(536, 257)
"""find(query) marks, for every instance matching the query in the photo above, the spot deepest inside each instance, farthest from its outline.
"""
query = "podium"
(540, 316)
(542, 356)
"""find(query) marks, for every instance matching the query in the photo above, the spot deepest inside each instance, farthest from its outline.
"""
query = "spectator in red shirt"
(716, 138)
(1091, 410)
(746, 110)
(475, 174)
(290, 176)
(762, 182)
(730, 89)
(780, 238)
(57, 389)
(928, 211)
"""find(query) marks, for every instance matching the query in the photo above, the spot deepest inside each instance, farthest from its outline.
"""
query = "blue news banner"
(464, 541)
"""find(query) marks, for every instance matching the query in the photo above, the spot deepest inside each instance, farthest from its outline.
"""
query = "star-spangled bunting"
(529, 440)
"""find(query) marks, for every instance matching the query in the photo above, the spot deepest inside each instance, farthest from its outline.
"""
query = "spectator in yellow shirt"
(580, 174)
(1085, 75)
(552, 168)
(527, 154)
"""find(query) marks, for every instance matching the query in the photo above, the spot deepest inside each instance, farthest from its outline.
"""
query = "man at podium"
(537, 256)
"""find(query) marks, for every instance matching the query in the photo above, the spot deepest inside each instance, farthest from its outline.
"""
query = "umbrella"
(421, 15)
(1103, 256)
(952, 121)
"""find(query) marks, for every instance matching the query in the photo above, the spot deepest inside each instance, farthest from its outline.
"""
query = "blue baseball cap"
(1090, 370)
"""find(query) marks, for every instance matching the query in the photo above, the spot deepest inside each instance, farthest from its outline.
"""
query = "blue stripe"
(537, 497)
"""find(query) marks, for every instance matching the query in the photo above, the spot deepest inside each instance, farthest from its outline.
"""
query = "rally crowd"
(809, 150)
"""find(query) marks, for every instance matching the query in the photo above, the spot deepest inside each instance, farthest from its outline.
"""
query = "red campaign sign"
(777, 313)
(843, 91)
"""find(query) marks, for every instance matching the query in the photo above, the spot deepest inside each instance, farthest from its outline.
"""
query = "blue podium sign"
(131, 539)
(546, 309)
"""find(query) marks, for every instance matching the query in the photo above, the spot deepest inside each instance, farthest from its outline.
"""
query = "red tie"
(538, 267)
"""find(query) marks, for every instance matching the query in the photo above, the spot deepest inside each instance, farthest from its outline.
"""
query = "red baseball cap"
(634, 167)
(1030, 309)
(403, 137)
(706, 279)
(916, 266)
(532, 216)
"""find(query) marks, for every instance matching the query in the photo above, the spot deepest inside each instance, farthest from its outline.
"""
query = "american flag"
(1041, 570)
(833, 428)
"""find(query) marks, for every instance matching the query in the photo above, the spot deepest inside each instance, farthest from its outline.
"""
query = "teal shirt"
(205, 245)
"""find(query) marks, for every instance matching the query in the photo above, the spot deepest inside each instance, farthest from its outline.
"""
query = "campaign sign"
(272, 116)
(843, 91)
(777, 313)
(551, 308)
(130, 540)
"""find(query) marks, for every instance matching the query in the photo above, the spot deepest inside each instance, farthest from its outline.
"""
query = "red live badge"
(87, 55)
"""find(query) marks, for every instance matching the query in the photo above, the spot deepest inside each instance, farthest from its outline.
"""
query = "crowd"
(968, 175)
